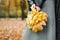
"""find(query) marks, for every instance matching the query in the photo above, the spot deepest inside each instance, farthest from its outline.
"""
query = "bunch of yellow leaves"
(36, 20)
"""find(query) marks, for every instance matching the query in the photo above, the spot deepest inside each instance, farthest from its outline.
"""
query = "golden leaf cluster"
(36, 20)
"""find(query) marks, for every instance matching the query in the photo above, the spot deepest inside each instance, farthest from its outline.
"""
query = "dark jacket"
(37, 2)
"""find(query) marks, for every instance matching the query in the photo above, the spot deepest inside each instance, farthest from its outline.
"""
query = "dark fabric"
(57, 19)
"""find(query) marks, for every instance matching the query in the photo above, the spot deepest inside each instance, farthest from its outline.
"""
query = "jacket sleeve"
(43, 1)
(30, 2)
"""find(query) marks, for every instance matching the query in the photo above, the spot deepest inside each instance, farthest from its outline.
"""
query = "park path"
(12, 28)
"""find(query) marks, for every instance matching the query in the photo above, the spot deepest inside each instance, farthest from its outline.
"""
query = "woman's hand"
(35, 7)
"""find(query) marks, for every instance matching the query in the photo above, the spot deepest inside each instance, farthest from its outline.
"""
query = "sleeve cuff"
(30, 2)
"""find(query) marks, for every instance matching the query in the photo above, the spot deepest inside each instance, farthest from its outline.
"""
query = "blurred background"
(13, 15)
(13, 8)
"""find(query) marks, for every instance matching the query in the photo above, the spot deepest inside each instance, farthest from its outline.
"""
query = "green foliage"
(13, 8)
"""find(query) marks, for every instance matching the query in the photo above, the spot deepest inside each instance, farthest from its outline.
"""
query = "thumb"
(33, 6)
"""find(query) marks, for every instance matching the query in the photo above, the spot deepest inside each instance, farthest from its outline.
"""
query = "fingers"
(38, 9)
(33, 6)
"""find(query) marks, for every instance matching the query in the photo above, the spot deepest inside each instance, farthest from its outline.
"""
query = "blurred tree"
(14, 8)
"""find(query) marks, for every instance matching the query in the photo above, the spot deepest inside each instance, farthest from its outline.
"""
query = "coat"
(48, 32)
